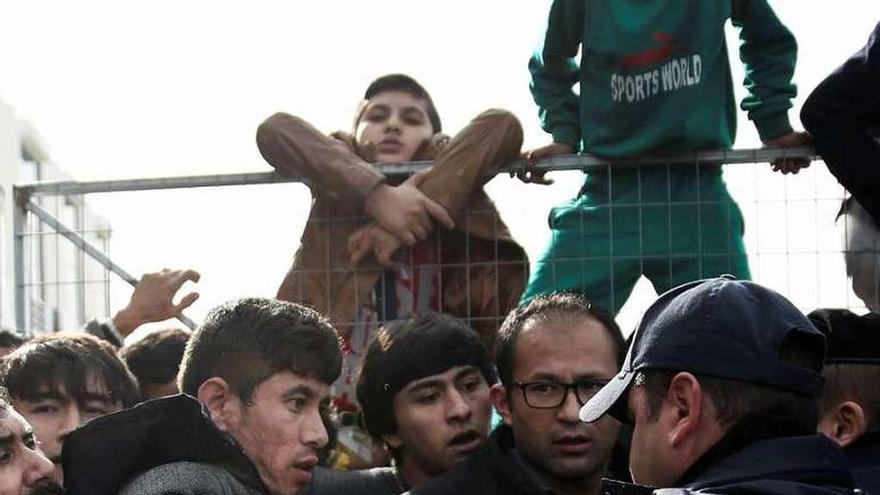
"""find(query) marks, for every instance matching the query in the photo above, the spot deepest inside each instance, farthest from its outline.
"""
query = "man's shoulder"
(187, 478)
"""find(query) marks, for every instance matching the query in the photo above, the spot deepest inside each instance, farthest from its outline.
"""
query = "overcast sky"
(142, 89)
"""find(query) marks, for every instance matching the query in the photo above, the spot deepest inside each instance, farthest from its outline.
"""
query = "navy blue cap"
(851, 338)
(720, 327)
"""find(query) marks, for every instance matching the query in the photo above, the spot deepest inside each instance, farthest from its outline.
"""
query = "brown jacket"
(483, 270)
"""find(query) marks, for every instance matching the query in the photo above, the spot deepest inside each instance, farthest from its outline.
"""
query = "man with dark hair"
(155, 360)
(9, 341)
(721, 382)
(60, 381)
(370, 252)
(260, 370)
(553, 354)
(849, 412)
(24, 469)
(424, 393)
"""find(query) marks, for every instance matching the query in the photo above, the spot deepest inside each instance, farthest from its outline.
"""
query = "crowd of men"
(409, 349)
(726, 387)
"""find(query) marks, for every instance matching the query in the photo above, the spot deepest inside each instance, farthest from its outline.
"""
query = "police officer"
(720, 383)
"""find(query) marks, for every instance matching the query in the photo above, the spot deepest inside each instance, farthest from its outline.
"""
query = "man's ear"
(845, 423)
(501, 401)
(221, 402)
(685, 404)
(392, 441)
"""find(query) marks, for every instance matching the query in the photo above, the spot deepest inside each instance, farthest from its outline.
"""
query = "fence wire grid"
(629, 231)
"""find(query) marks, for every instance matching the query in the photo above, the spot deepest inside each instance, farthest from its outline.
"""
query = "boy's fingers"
(439, 213)
(383, 257)
(358, 253)
(186, 302)
(420, 232)
(183, 276)
(409, 239)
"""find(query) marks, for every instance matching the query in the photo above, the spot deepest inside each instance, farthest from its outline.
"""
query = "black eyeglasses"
(550, 395)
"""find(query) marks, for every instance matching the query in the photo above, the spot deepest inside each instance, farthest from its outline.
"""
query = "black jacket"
(843, 116)
(494, 469)
(107, 453)
(497, 469)
(797, 465)
(864, 456)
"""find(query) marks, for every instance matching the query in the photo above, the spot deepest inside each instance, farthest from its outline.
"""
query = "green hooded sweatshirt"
(654, 74)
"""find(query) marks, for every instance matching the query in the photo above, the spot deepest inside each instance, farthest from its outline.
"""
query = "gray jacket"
(187, 478)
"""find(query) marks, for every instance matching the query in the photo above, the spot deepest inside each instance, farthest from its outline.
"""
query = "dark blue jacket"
(492, 470)
(843, 115)
(496, 469)
(864, 455)
(798, 465)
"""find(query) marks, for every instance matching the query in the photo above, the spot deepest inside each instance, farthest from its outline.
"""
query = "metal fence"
(790, 237)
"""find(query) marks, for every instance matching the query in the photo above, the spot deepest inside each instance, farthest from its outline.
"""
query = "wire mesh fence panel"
(62, 286)
(618, 234)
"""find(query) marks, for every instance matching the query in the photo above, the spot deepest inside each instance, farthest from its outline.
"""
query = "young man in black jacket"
(424, 393)
(553, 355)
(257, 376)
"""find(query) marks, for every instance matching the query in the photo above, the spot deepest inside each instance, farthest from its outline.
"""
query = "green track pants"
(671, 223)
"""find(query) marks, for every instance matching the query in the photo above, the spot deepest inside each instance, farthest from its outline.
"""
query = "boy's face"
(55, 413)
(395, 124)
(441, 419)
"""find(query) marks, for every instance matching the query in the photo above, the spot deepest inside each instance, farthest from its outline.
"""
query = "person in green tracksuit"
(654, 78)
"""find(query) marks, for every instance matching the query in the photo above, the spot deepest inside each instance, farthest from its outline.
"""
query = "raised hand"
(153, 299)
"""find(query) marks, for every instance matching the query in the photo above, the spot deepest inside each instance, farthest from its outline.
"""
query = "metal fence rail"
(29, 210)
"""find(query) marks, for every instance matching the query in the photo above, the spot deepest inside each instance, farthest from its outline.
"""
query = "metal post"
(89, 249)
(19, 220)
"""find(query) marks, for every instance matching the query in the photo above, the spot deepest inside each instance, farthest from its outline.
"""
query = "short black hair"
(550, 308)
(403, 351)
(10, 339)
(155, 359)
(855, 382)
(405, 84)
(247, 341)
(67, 360)
(737, 400)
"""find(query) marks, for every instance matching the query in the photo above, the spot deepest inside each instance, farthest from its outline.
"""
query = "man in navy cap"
(850, 406)
(720, 383)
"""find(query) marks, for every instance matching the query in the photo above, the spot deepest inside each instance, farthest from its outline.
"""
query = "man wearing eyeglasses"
(552, 355)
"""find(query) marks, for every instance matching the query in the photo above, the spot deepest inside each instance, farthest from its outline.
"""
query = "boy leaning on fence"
(654, 79)
(357, 262)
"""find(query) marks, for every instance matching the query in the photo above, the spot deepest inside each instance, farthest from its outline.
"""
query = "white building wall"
(65, 301)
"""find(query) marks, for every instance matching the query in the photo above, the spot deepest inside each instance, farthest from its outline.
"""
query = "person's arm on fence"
(555, 71)
(490, 141)
(769, 51)
(293, 146)
(842, 114)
